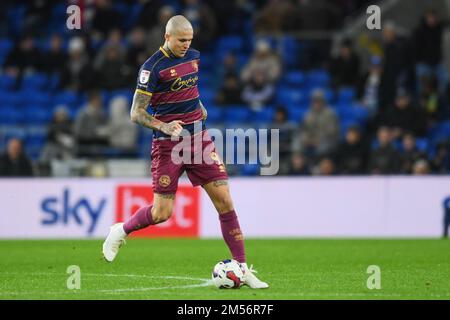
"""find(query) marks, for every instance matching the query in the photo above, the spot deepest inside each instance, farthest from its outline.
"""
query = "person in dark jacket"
(428, 50)
(384, 159)
(404, 116)
(352, 153)
(14, 162)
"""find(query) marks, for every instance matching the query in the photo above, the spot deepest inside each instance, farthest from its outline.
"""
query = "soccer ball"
(228, 274)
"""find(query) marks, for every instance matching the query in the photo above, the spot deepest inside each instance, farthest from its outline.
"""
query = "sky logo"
(66, 210)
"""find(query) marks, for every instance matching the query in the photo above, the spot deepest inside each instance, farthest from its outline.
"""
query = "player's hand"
(172, 128)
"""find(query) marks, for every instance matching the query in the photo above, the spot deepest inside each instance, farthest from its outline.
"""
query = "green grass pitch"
(179, 269)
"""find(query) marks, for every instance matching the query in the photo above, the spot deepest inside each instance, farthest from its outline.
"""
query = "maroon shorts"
(203, 166)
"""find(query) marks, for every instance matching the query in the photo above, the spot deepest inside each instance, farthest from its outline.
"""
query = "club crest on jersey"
(144, 76)
(164, 181)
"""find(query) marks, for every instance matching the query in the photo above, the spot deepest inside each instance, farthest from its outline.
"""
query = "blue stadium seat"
(206, 61)
(40, 99)
(215, 113)
(263, 116)
(6, 82)
(40, 115)
(355, 114)
(207, 96)
(230, 43)
(6, 46)
(13, 99)
(9, 115)
(346, 95)
(67, 98)
(318, 78)
(440, 132)
(53, 82)
(294, 78)
(15, 17)
(297, 113)
(237, 114)
(422, 144)
(289, 49)
(288, 96)
(35, 82)
(205, 81)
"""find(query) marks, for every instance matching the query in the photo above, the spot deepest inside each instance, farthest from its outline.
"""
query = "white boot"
(113, 242)
(251, 280)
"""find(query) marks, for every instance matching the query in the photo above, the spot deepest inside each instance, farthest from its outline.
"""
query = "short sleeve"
(147, 80)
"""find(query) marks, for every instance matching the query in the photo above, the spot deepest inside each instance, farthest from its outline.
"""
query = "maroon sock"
(139, 220)
(232, 235)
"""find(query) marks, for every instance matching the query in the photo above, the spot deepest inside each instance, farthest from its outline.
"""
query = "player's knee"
(161, 214)
(224, 205)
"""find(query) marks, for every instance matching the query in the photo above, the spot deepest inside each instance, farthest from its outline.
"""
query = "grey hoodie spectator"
(263, 60)
(319, 133)
(91, 122)
(122, 132)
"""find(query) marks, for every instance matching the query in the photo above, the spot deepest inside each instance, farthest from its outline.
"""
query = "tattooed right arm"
(139, 112)
(140, 115)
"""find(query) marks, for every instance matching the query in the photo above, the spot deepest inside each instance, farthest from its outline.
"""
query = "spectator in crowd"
(298, 165)
(427, 40)
(37, 16)
(258, 91)
(369, 86)
(203, 21)
(105, 19)
(409, 154)
(275, 16)
(285, 129)
(228, 67)
(14, 162)
(137, 50)
(54, 61)
(60, 138)
(384, 159)
(24, 58)
(318, 15)
(441, 160)
(122, 132)
(431, 101)
(396, 65)
(115, 41)
(352, 153)
(326, 167)
(230, 92)
(78, 74)
(90, 127)
(113, 73)
(148, 15)
(421, 167)
(344, 68)
(263, 60)
(155, 37)
(404, 116)
(319, 132)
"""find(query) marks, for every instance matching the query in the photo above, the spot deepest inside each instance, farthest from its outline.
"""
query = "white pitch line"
(206, 282)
